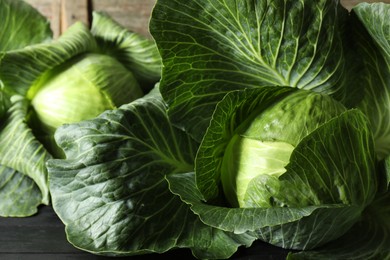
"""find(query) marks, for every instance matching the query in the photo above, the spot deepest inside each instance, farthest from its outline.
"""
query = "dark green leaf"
(210, 47)
(31, 62)
(371, 28)
(111, 191)
(136, 52)
(20, 150)
(21, 25)
(19, 195)
(369, 239)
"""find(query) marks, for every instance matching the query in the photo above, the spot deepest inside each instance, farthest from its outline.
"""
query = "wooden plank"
(34, 239)
(351, 3)
(55, 19)
(72, 11)
(57, 256)
(43, 237)
(132, 14)
(34, 234)
(135, 14)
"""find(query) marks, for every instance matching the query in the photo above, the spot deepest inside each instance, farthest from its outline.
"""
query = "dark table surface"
(43, 237)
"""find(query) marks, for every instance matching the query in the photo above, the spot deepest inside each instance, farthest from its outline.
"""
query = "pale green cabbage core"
(245, 160)
(260, 148)
(58, 104)
(81, 89)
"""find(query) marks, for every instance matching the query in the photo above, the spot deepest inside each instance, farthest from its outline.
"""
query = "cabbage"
(49, 83)
(265, 127)
(327, 167)
(24, 182)
(259, 151)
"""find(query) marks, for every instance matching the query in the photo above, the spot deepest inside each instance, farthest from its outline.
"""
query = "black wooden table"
(43, 237)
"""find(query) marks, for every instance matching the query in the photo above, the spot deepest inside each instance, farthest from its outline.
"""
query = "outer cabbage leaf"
(21, 25)
(238, 220)
(136, 52)
(22, 156)
(331, 170)
(111, 191)
(369, 239)
(18, 187)
(278, 226)
(210, 47)
(39, 73)
(372, 27)
(33, 61)
(81, 89)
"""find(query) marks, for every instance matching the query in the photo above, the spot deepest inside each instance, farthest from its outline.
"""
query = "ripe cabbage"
(51, 82)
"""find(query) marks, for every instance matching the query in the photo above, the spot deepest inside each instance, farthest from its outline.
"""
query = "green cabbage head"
(261, 147)
(83, 73)
(80, 89)
(294, 167)
(46, 83)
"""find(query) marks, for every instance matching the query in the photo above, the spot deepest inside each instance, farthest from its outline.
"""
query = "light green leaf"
(20, 192)
(19, 195)
(81, 89)
(67, 80)
(230, 113)
(210, 47)
(20, 150)
(33, 61)
(136, 52)
(21, 25)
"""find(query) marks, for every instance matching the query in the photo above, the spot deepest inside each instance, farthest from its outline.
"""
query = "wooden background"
(133, 14)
